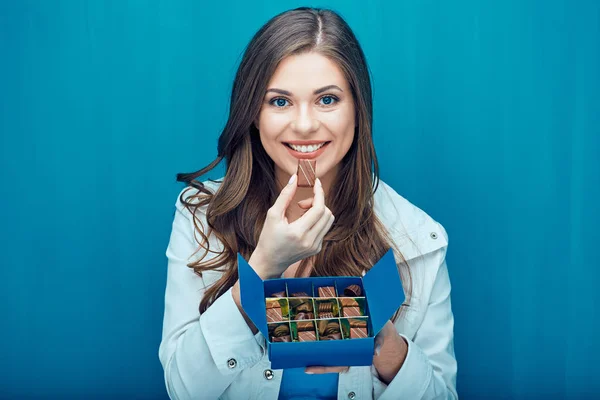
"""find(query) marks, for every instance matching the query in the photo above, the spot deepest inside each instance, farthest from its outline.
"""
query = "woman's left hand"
(389, 354)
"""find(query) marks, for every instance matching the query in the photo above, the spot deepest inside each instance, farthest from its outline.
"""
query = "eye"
(278, 102)
(329, 100)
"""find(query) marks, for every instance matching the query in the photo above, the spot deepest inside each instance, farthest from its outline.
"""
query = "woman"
(302, 90)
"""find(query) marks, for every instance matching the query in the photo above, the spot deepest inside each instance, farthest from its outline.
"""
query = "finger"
(314, 214)
(285, 197)
(325, 229)
(306, 203)
(325, 370)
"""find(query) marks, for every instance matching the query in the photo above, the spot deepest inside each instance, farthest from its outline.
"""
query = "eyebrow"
(321, 90)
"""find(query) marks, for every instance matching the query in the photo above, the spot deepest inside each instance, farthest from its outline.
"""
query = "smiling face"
(308, 101)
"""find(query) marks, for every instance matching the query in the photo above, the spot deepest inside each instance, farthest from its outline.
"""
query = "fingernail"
(319, 181)
(309, 373)
(292, 179)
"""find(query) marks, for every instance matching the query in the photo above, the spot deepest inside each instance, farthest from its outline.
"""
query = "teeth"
(307, 149)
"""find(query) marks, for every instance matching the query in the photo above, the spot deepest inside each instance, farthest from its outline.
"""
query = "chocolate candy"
(323, 307)
(305, 326)
(307, 336)
(333, 336)
(281, 330)
(353, 291)
(287, 338)
(348, 302)
(274, 315)
(328, 327)
(304, 307)
(358, 323)
(351, 312)
(307, 172)
(326, 315)
(327, 291)
(299, 294)
(304, 315)
(356, 333)
(278, 294)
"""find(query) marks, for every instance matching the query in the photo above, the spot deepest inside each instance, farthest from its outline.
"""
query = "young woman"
(302, 90)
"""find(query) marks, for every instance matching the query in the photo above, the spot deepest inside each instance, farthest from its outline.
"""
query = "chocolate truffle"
(307, 172)
(304, 315)
(281, 330)
(353, 291)
(327, 291)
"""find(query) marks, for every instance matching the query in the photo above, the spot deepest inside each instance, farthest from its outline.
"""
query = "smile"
(307, 152)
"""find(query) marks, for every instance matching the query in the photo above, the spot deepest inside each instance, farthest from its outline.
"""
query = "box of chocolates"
(322, 321)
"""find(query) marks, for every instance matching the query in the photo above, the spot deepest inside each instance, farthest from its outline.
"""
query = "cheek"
(272, 125)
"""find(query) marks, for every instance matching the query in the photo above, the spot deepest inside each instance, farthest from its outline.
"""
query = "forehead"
(305, 72)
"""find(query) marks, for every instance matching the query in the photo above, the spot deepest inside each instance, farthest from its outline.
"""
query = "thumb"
(286, 195)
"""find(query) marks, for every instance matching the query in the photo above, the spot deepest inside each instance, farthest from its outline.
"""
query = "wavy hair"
(236, 212)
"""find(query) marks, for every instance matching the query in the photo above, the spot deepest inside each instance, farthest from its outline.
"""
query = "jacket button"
(433, 235)
(231, 363)
(268, 374)
(351, 395)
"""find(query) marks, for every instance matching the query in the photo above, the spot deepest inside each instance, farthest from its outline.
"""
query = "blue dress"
(298, 385)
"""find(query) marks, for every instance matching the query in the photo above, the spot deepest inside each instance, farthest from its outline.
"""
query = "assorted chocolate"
(330, 315)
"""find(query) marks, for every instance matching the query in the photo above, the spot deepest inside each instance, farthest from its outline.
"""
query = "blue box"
(383, 293)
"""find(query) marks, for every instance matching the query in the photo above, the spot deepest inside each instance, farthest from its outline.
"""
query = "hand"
(281, 243)
(387, 341)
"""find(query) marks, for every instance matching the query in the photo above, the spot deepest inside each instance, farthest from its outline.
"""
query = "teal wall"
(486, 116)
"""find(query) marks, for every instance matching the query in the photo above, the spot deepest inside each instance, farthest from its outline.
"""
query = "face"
(308, 102)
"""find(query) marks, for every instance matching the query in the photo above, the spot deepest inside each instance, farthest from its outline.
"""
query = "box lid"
(252, 295)
(383, 289)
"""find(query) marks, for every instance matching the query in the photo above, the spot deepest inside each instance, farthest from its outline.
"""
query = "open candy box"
(328, 321)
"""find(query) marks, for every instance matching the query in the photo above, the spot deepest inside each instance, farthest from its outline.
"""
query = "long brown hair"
(237, 211)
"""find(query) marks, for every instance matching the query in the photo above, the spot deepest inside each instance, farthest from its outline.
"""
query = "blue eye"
(279, 102)
(328, 100)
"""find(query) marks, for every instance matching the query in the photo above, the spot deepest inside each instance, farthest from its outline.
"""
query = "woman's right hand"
(281, 243)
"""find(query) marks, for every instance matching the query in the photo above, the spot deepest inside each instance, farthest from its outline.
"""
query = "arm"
(429, 369)
(196, 350)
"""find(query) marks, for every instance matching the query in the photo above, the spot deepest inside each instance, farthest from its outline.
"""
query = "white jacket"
(216, 356)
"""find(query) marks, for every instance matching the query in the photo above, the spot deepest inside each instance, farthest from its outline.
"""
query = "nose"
(305, 122)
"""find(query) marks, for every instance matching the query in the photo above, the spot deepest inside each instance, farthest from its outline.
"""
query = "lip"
(306, 156)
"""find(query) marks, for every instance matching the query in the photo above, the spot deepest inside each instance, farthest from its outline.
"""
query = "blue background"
(486, 116)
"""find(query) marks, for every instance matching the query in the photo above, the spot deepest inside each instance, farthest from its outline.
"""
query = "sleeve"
(200, 354)
(429, 370)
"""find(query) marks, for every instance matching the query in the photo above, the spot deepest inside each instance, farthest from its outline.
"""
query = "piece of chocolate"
(307, 336)
(358, 323)
(327, 291)
(356, 333)
(345, 302)
(335, 336)
(281, 330)
(304, 307)
(304, 315)
(326, 315)
(351, 312)
(278, 294)
(287, 338)
(305, 326)
(300, 294)
(332, 327)
(274, 315)
(273, 304)
(327, 306)
(353, 291)
(307, 172)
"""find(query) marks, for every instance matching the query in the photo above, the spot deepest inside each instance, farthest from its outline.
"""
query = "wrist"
(260, 265)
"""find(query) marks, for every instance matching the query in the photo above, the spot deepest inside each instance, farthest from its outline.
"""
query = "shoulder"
(414, 231)
(189, 195)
